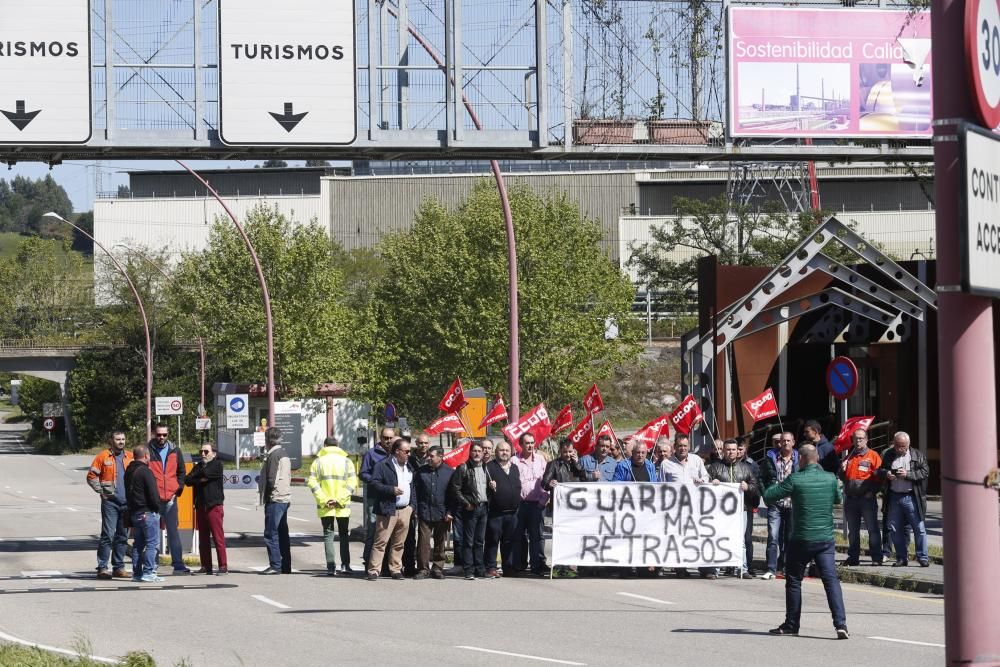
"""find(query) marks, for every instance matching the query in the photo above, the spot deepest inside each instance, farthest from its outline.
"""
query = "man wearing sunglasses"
(166, 462)
(206, 478)
(374, 456)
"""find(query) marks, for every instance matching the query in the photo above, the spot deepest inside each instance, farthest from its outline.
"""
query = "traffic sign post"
(237, 417)
(44, 72)
(287, 73)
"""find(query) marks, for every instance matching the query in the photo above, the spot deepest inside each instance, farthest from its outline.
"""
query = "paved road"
(48, 594)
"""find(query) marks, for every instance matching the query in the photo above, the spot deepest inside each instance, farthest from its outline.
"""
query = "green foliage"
(24, 201)
(81, 243)
(316, 337)
(442, 308)
(274, 164)
(33, 393)
(317, 163)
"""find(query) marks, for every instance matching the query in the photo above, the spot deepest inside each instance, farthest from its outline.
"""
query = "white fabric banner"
(648, 524)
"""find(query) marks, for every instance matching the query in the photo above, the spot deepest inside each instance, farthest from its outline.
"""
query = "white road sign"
(49, 424)
(286, 72)
(44, 72)
(169, 405)
(980, 227)
(237, 411)
(203, 424)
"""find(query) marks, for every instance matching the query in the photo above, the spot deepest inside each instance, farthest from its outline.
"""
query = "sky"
(77, 176)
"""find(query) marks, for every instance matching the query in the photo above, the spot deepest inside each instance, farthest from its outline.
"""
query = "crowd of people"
(492, 507)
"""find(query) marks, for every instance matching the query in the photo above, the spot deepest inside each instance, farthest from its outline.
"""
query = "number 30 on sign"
(982, 46)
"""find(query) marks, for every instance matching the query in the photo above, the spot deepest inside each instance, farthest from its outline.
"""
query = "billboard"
(829, 73)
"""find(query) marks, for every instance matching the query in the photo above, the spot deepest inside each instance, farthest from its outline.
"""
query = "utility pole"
(967, 385)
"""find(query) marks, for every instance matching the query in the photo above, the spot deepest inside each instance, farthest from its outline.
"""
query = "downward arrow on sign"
(19, 117)
(288, 120)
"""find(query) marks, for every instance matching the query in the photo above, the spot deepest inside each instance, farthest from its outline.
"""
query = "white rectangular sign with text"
(648, 525)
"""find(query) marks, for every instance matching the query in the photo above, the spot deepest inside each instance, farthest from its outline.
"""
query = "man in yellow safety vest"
(332, 480)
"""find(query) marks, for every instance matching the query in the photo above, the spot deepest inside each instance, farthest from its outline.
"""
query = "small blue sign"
(842, 378)
(237, 404)
(390, 412)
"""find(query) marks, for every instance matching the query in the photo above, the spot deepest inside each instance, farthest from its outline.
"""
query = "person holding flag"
(467, 492)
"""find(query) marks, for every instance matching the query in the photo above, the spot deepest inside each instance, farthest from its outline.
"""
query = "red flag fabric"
(497, 414)
(564, 420)
(653, 430)
(459, 455)
(686, 415)
(583, 437)
(607, 430)
(535, 421)
(843, 441)
(453, 399)
(446, 424)
(763, 406)
(592, 401)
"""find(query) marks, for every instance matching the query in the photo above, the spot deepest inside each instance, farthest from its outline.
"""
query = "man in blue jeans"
(275, 494)
(814, 493)
(779, 463)
(906, 472)
(143, 501)
(106, 476)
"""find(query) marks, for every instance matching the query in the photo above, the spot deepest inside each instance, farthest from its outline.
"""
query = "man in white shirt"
(679, 467)
(392, 483)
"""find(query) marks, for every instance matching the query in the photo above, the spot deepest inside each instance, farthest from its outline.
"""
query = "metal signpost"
(286, 72)
(45, 80)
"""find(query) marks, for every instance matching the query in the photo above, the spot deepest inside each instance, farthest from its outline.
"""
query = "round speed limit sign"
(49, 424)
(982, 46)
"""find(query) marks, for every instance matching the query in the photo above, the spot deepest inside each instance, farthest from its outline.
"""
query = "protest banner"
(647, 525)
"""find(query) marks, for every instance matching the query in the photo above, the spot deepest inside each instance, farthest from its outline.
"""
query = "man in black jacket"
(504, 494)
(732, 469)
(431, 486)
(905, 469)
(143, 501)
(566, 468)
(206, 478)
(467, 491)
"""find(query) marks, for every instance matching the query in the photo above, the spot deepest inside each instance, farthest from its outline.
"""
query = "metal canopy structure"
(554, 79)
(856, 308)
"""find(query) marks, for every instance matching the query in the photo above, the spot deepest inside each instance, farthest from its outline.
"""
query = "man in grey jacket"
(275, 487)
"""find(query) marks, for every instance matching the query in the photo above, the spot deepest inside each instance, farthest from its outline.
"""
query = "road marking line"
(34, 497)
(72, 509)
(50, 539)
(61, 463)
(295, 518)
(240, 507)
(520, 655)
(907, 641)
(643, 597)
(61, 651)
(51, 502)
(261, 598)
(36, 574)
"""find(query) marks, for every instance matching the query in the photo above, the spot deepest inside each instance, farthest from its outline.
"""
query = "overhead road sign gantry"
(287, 72)
(44, 72)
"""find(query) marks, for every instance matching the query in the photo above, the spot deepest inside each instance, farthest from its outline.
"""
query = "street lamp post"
(142, 312)
(269, 323)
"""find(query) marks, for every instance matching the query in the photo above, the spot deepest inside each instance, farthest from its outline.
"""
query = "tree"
(24, 201)
(274, 164)
(317, 163)
(442, 310)
(81, 243)
(316, 337)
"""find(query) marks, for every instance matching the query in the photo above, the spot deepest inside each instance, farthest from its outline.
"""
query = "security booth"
(796, 318)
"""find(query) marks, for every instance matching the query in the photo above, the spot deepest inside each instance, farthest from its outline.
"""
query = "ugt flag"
(763, 406)
(687, 415)
(446, 424)
(653, 430)
(497, 414)
(535, 421)
(592, 401)
(563, 420)
(843, 441)
(453, 399)
(582, 436)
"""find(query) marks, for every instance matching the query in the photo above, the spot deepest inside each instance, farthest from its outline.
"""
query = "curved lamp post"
(142, 312)
(201, 341)
(269, 323)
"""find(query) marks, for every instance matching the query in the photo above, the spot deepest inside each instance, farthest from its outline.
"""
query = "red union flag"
(459, 455)
(763, 406)
(535, 421)
(843, 441)
(563, 420)
(446, 424)
(653, 430)
(607, 430)
(687, 415)
(453, 399)
(592, 401)
(582, 436)
(497, 414)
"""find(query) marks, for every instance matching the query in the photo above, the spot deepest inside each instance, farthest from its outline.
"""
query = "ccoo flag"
(564, 420)
(763, 406)
(453, 399)
(592, 401)
(497, 414)
(535, 421)
(687, 415)
(607, 430)
(446, 424)
(843, 441)
(582, 436)
(653, 430)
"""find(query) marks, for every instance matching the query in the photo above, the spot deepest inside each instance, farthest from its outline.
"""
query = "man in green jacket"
(813, 492)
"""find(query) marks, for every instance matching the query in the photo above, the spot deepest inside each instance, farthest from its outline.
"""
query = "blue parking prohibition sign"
(842, 378)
